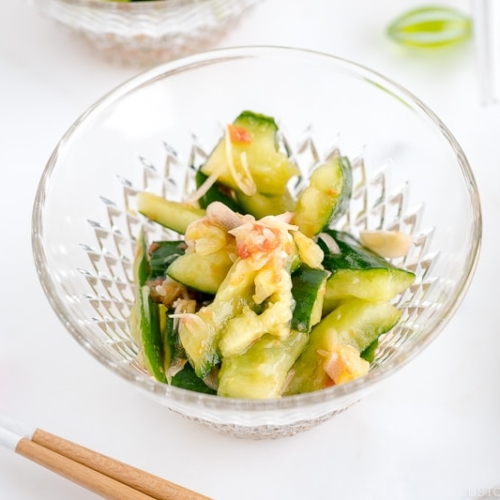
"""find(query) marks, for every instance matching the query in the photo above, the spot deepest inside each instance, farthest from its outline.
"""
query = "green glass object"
(430, 27)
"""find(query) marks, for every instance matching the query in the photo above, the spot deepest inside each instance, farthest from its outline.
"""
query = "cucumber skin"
(328, 196)
(187, 379)
(354, 322)
(162, 255)
(151, 337)
(359, 272)
(141, 264)
(308, 286)
(370, 351)
(257, 119)
(147, 318)
(352, 254)
(344, 199)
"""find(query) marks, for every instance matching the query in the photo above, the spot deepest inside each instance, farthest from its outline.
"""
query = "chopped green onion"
(432, 26)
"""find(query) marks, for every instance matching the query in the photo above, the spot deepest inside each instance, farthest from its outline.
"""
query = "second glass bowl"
(147, 32)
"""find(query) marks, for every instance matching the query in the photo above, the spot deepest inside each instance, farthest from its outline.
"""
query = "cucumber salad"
(259, 297)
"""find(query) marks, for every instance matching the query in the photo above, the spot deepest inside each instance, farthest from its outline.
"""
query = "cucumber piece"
(275, 317)
(260, 205)
(216, 192)
(356, 323)
(308, 290)
(326, 198)
(370, 351)
(203, 273)
(171, 214)
(172, 349)
(151, 337)
(145, 322)
(359, 272)
(162, 254)
(261, 372)
(173, 352)
(269, 168)
(187, 379)
(199, 333)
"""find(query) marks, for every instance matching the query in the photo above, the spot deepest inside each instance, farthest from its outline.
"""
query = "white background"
(431, 432)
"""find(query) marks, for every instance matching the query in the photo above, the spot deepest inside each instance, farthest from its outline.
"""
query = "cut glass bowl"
(152, 132)
(147, 32)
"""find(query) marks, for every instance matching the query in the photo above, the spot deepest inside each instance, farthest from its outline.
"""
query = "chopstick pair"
(98, 473)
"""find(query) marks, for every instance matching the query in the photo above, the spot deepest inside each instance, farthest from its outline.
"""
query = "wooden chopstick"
(90, 479)
(98, 473)
(147, 483)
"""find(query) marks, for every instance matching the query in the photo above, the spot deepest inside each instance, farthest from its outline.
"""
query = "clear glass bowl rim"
(132, 7)
(340, 392)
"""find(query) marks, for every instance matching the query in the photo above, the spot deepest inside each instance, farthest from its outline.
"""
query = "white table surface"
(433, 431)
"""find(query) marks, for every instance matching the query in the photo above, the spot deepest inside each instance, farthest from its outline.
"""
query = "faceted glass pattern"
(411, 175)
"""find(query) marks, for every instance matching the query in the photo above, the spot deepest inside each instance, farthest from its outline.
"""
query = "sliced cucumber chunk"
(174, 353)
(203, 273)
(359, 272)
(151, 337)
(261, 372)
(356, 323)
(145, 321)
(326, 198)
(255, 140)
(249, 326)
(308, 290)
(260, 205)
(172, 214)
(200, 332)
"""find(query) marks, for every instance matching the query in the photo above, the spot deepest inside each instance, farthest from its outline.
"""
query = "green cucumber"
(356, 323)
(186, 378)
(162, 254)
(359, 272)
(216, 192)
(261, 372)
(260, 205)
(270, 169)
(308, 290)
(249, 326)
(171, 214)
(370, 351)
(199, 333)
(145, 324)
(326, 198)
(172, 349)
(203, 273)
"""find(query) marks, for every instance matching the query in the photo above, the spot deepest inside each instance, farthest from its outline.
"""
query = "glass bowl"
(147, 32)
(409, 174)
